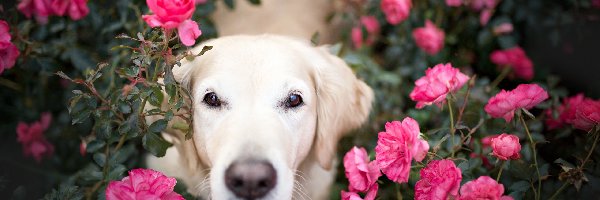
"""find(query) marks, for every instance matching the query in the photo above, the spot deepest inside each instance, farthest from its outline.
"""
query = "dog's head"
(261, 105)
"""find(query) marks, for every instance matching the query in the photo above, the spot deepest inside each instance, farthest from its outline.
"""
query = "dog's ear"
(343, 104)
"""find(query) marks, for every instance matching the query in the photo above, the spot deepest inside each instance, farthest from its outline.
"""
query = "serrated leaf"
(65, 192)
(63, 75)
(155, 144)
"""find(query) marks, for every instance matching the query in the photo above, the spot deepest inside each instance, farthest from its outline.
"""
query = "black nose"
(250, 179)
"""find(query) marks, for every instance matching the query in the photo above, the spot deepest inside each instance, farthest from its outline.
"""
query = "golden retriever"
(268, 112)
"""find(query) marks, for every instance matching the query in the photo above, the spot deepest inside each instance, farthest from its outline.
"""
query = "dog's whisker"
(299, 188)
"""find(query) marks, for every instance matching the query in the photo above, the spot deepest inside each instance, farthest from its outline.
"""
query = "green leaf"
(158, 126)
(100, 159)
(116, 172)
(520, 186)
(65, 192)
(255, 2)
(229, 3)
(157, 97)
(94, 145)
(155, 144)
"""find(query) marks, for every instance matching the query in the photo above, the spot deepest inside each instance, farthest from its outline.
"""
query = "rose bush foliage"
(76, 75)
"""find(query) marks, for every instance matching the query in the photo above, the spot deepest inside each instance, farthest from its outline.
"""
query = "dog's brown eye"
(212, 100)
(293, 101)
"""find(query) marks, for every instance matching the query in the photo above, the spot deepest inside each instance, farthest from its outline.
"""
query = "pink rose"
(566, 112)
(40, 9)
(429, 38)
(436, 84)
(361, 174)
(370, 24)
(396, 11)
(397, 146)
(483, 187)
(505, 146)
(76, 9)
(170, 14)
(487, 140)
(453, 3)
(503, 28)
(515, 58)
(440, 180)
(587, 115)
(143, 184)
(486, 7)
(355, 196)
(529, 95)
(188, 32)
(8, 51)
(32, 138)
(82, 148)
(505, 103)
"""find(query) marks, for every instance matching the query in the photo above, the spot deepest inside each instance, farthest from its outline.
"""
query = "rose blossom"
(440, 179)
(8, 51)
(39, 9)
(505, 103)
(515, 58)
(397, 146)
(361, 174)
(587, 115)
(505, 146)
(76, 9)
(566, 112)
(429, 38)
(32, 138)
(453, 3)
(436, 84)
(486, 7)
(355, 196)
(371, 25)
(170, 14)
(143, 184)
(483, 187)
(396, 11)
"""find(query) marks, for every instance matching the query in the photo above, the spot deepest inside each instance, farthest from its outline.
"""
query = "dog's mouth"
(250, 179)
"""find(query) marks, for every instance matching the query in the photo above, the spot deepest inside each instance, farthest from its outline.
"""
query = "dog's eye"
(293, 101)
(212, 100)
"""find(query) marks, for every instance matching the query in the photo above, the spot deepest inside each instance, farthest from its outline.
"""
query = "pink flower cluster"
(440, 179)
(486, 7)
(581, 112)
(505, 103)
(436, 84)
(143, 184)
(361, 174)
(31, 136)
(396, 11)
(8, 51)
(483, 187)
(370, 24)
(516, 59)
(42, 9)
(397, 146)
(170, 14)
(505, 146)
(429, 38)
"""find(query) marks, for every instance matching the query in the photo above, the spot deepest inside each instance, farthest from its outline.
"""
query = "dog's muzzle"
(250, 179)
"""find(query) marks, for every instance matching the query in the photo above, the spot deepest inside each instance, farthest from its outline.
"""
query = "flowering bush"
(76, 77)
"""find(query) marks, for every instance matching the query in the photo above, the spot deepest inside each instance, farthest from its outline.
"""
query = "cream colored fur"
(253, 75)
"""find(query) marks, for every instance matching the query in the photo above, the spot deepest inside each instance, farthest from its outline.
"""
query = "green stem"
(452, 130)
(591, 151)
(538, 193)
(500, 172)
(505, 71)
(559, 190)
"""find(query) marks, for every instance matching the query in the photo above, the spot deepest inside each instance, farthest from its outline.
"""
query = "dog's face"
(261, 104)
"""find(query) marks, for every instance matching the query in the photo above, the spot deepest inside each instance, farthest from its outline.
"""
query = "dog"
(268, 111)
